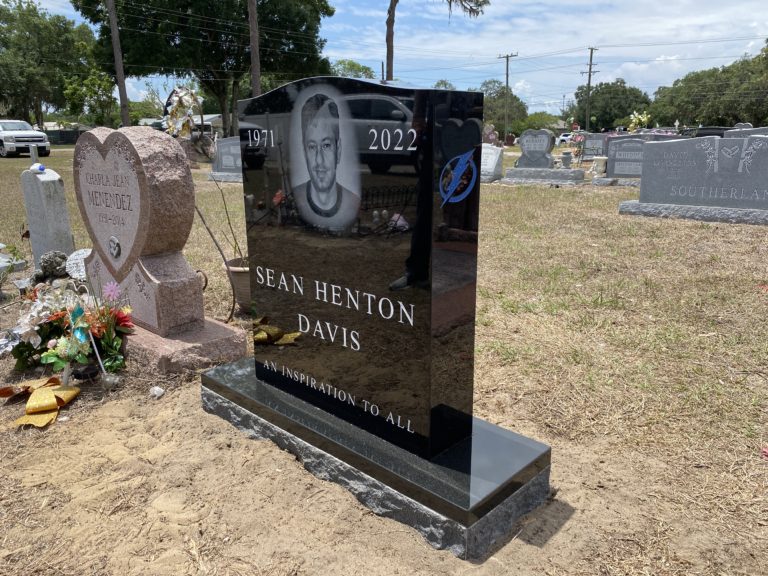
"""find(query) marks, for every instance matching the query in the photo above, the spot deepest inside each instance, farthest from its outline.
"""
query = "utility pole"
(125, 117)
(253, 26)
(506, 97)
(589, 82)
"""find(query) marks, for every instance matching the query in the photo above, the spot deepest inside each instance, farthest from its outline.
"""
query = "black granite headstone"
(362, 222)
(364, 185)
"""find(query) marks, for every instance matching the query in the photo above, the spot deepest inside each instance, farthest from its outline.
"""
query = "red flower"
(122, 319)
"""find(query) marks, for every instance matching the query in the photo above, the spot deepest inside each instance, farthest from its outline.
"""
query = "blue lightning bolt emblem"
(458, 166)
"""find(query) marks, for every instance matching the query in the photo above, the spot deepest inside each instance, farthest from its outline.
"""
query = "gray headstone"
(709, 171)
(227, 164)
(746, 132)
(594, 145)
(490, 163)
(536, 146)
(47, 215)
(625, 158)
(741, 125)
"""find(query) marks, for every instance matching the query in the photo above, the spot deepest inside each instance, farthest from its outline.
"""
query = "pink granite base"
(212, 344)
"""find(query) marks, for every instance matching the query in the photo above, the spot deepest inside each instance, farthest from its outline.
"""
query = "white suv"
(564, 138)
(16, 136)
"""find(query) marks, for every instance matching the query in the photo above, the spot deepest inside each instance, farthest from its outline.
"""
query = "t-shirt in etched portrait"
(324, 171)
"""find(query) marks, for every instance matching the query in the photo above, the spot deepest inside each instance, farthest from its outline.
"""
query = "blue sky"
(648, 44)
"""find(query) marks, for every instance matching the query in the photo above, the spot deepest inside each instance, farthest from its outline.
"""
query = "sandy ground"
(125, 484)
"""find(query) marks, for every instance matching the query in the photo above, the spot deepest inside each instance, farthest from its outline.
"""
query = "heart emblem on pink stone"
(111, 193)
(135, 193)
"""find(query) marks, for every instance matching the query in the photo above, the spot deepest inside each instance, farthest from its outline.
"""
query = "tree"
(38, 52)
(146, 108)
(444, 85)
(717, 96)
(497, 96)
(352, 69)
(472, 8)
(535, 121)
(609, 101)
(94, 96)
(209, 41)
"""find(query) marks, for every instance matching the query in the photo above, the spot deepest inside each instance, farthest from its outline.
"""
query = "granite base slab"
(213, 343)
(466, 500)
(225, 177)
(614, 181)
(702, 213)
(549, 174)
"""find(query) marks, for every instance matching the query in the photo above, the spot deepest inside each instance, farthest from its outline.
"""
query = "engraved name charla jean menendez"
(323, 202)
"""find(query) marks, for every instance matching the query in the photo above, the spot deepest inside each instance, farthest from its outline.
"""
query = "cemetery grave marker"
(367, 353)
(136, 196)
(709, 178)
(47, 216)
(227, 166)
(491, 163)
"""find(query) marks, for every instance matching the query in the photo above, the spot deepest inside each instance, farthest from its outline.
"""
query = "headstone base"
(703, 213)
(213, 343)
(466, 500)
(603, 181)
(544, 175)
(225, 177)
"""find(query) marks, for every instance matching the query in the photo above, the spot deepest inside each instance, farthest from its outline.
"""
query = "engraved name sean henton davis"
(324, 165)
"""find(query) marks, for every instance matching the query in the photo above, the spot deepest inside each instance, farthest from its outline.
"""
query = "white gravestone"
(47, 216)
(491, 163)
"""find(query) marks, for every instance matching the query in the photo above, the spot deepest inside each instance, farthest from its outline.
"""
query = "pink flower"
(111, 290)
(52, 344)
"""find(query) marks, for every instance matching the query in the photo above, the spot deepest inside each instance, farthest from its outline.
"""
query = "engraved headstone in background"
(625, 158)
(491, 163)
(594, 145)
(47, 214)
(536, 147)
(227, 164)
(746, 132)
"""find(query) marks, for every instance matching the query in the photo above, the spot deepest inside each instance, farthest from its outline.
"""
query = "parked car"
(17, 136)
(564, 138)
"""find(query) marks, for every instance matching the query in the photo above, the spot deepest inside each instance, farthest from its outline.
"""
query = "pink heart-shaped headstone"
(135, 194)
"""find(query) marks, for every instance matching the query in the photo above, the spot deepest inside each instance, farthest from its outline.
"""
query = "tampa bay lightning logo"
(457, 180)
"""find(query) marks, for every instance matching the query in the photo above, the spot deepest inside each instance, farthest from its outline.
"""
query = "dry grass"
(640, 344)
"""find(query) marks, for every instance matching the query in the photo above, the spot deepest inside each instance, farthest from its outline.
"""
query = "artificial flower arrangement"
(64, 326)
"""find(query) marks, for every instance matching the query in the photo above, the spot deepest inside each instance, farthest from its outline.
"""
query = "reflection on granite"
(397, 363)
(462, 483)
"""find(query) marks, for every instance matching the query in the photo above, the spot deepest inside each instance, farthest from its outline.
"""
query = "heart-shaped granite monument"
(136, 196)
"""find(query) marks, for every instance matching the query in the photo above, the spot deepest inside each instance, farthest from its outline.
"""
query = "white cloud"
(648, 43)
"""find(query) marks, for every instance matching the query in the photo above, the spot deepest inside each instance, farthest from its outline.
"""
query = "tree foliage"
(717, 96)
(210, 41)
(535, 121)
(38, 53)
(472, 8)
(93, 95)
(608, 102)
(498, 98)
(444, 85)
(351, 69)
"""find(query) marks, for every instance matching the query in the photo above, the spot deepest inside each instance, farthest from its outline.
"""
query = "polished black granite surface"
(463, 483)
(361, 204)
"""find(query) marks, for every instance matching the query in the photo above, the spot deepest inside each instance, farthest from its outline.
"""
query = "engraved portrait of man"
(321, 200)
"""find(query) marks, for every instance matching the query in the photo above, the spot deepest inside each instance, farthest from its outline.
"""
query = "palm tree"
(471, 7)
